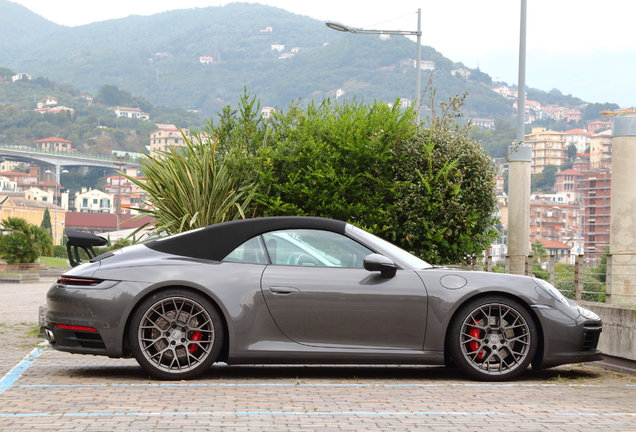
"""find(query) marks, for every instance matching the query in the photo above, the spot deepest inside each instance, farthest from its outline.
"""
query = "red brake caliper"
(474, 345)
(196, 336)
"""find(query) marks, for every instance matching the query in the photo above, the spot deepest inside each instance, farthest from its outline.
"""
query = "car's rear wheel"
(176, 334)
(493, 338)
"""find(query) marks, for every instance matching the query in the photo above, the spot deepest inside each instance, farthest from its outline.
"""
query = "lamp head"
(334, 25)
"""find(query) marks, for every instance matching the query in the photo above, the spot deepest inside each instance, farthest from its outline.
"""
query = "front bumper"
(569, 336)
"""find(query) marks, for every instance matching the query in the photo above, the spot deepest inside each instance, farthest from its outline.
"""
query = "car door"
(319, 294)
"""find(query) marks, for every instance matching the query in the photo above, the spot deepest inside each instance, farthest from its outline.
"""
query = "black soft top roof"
(214, 242)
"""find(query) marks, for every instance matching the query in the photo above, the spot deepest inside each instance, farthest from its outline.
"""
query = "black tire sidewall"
(143, 307)
(455, 348)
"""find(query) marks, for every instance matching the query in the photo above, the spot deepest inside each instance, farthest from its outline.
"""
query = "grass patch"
(34, 330)
(55, 262)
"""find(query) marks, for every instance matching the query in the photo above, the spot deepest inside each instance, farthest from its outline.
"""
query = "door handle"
(283, 290)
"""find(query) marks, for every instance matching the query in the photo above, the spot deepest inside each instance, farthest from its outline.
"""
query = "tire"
(176, 334)
(493, 338)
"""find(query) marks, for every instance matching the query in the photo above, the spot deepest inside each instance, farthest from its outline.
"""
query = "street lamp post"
(418, 55)
(57, 184)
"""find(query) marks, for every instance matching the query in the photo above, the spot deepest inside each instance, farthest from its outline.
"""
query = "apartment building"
(548, 148)
(165, 137)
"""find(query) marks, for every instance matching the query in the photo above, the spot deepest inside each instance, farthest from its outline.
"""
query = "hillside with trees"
(153, 63)
(158, 57)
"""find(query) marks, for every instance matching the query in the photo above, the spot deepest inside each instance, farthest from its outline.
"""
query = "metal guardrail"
(598, 277)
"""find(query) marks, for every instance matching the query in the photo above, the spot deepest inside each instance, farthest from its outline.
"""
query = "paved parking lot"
(42, 389)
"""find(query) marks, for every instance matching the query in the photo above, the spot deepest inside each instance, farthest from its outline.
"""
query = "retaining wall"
(619, 329)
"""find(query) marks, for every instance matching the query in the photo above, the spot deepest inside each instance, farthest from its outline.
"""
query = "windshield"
(396, 252)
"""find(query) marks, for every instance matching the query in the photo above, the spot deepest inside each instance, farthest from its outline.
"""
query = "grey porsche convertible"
(305, 290)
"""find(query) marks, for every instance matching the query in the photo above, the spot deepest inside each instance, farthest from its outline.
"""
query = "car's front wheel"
(493, 338)
(176, 334)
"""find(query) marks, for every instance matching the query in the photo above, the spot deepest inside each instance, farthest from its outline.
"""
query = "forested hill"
(158, 57)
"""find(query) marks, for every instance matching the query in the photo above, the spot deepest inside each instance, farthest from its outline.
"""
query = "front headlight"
(550, 289)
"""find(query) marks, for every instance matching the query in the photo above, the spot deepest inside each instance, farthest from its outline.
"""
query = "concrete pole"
(520, 158)
(418, 64)
(519, 207)
(623, 212)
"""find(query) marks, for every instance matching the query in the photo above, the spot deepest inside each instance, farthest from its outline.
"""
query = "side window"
(314, 248)
(250, 252)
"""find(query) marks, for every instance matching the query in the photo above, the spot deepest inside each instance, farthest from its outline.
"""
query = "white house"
(47, 101)
(206, 60)
(131, 113)
(36, 194)
(8, 185)
(93, 201)
(278, 47)
(266, 112)
(20, 76)
(464, 73)
(426, 65)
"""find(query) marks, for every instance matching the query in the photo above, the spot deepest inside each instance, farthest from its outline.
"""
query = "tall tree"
(46, 220)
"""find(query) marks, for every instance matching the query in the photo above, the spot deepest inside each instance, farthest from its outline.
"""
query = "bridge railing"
(83, 155)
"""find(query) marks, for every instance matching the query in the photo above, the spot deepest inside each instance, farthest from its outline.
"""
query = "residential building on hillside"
(425, 65)
(573, 115)
(548, 219)
(93, 201)
(7, 185)
(126, 194)
(554, 112)
(9, 165)
(464, 73)
(601, 149)
(206, 60)
(165, 137)
(58, 109)
(55, 144)
(266, 112)
(567, 184)
(46, 102)
(87, 97)
(598, 124)
(131, 113)
(579, 137)
(20, 76)
(23, 181)
(559, 250)
(595, 194)
(506, 92)
(37, 194)
(530, 105)
(483, 123)
(548, 148)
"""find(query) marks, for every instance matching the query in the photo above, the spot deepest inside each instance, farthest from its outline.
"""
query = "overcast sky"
(585, 47)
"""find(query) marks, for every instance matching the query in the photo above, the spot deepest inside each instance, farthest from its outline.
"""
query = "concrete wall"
(619, 329)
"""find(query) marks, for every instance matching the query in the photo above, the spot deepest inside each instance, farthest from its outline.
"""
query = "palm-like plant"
(192, 186)
(24, 242)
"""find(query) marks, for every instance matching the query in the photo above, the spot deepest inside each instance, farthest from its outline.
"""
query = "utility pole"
(520, 159)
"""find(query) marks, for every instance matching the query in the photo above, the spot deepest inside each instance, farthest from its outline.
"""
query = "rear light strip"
(65, 280)
(75, 328)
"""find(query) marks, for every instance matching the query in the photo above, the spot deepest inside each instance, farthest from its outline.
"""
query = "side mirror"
(377, 262)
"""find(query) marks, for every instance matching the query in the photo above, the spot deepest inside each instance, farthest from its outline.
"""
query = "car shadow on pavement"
(408, 374)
